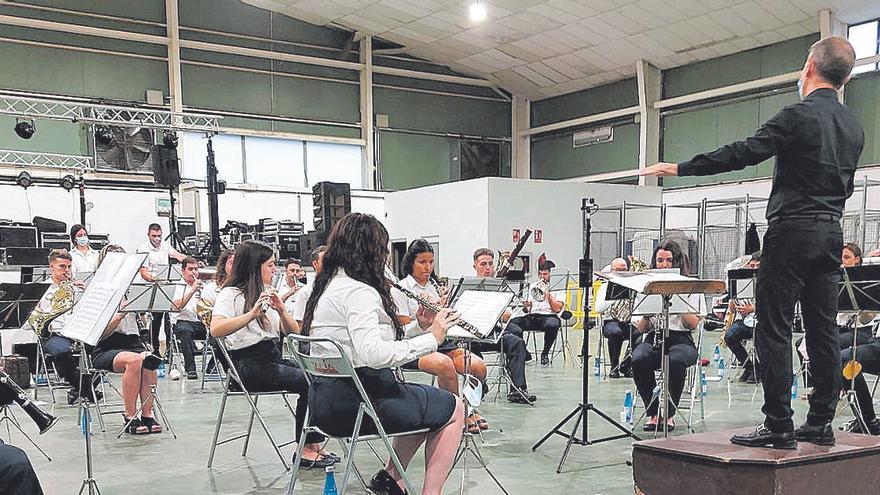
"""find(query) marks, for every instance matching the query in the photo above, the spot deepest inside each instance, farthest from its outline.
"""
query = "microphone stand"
(581, 412)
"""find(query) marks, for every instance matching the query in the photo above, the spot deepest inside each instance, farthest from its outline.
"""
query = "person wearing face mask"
(85, 259)
(817, 143)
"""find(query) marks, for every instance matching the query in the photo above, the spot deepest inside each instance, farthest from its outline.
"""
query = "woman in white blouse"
(85, 259)
(351, 304)
(252, 335)
(121, 350)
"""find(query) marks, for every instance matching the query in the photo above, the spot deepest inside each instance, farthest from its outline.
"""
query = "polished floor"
(163, 465)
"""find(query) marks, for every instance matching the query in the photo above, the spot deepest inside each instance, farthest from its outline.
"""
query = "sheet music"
(102, 297)
(637, 281)
(481, 309)
(681, 304)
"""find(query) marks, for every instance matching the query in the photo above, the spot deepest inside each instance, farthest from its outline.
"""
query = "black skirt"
(401, 407)
(106, 350)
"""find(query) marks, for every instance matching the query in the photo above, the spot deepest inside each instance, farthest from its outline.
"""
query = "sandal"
(151, 424)
(471, 425)
(481, 421)
(134, 426)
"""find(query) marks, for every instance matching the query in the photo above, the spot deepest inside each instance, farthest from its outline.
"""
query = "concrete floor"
(160, 464)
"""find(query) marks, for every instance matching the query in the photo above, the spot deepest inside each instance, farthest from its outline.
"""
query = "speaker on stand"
(166, 172)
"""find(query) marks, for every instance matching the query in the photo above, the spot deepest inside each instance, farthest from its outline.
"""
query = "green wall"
(863, 97)
(408, 160)
(612, 96)
(553, 157)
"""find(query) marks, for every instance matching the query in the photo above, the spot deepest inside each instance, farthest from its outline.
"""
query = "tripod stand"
(582, 410)
(85, 416)
(211, 249)
(853, 368)
(173, 235)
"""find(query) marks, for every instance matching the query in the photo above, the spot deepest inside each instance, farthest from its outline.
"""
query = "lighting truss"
(36, 159)
(39, 108)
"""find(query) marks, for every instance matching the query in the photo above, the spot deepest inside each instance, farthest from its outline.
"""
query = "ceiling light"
(103, 135)
(68, 182)
(477, 11)
(24, 179)
(169, 138)
(25, 129)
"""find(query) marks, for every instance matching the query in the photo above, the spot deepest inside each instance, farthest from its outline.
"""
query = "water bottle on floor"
(794, 385)
(329, 481)
(597, 366)
(704, 384)
(161, 371)
(628, 407)
(721, 368)
(716, 355)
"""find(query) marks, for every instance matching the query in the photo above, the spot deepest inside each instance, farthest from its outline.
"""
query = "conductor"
(817, 143)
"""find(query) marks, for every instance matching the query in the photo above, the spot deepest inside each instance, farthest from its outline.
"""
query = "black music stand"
(742, 284)
(17, 301)
(859, 290)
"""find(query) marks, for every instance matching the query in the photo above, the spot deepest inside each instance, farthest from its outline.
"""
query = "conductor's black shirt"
(817, 143)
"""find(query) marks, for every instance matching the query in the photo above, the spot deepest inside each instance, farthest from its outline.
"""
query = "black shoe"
(614, 374)
(383, 484)
(819, 435)
(627, 373)
(151, 362)
(516, 398)
(748, 376)
(94, 396)
(763, 437)
(322, 462)
(545, 360)
(854, 426)
(192, 375)
(72, 397)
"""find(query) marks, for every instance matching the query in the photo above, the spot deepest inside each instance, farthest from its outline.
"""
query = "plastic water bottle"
(704, 384)
(161, 371)
(597, 366)
(794, 385)
(721, 368)
(329, 481)
(717, 354)
(628, 406)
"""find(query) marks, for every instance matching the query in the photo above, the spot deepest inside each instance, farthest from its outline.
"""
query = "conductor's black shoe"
(764, 437)
(525, 398)
(818, 435)
(383, 484)
(854, 426)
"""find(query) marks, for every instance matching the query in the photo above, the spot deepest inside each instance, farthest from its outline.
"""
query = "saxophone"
(61, 302)
(621, 310)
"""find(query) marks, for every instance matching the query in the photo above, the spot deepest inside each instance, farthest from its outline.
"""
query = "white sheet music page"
(481, 309)
(101, 299)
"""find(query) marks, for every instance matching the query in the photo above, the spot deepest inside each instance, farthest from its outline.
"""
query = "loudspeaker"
(289, 245)
(585, 274)
(331, 201)
(24, 256)
(308, 242)
(165, 166)
(49, 225)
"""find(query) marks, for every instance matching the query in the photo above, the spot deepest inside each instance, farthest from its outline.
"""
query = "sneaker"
(765, 437)
(516, 398)
(818, 435)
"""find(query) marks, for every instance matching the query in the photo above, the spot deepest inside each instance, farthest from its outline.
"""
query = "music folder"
(741, 282)
(865, 282)
(17, 301)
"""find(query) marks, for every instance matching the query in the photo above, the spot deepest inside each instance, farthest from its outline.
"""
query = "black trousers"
(515, 353)
(17, 476)
(863, 336)
(800, 261)
(738, 333)
(549, 324)
(869, 356)
(646, 359)
(188, 332)
(616, 333)
(59, 348)
(155, 326)
(263, 370)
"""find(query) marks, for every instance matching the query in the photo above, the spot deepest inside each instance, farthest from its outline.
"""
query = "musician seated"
(615, 330)
(868, 355)
(188, 327)
(449, 360)
(352, 304)
(55, 345)
(250, 317)
(513, 346)
(679, 346)
(291, 283)
(743, 328)
(120, 350)
(541, 312)
(209, 295)
(852, 256)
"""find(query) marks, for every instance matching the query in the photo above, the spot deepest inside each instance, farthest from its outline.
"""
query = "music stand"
(742, 285)
(17, 301)
(859, 290)
(562, 280)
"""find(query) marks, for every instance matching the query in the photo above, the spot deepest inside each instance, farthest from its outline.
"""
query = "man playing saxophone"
(48, 319)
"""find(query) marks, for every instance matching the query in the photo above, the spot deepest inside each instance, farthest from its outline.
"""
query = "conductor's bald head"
(833, 58)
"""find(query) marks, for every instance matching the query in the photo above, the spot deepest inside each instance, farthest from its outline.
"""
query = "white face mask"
(82, 241)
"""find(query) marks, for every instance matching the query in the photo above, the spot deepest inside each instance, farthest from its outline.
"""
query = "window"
(274, 162)
(864, 38)
(227, 157)
(334, 163)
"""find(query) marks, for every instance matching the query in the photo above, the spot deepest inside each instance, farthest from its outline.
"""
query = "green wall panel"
(146, 10)
(223, 89)
(766, 61)
(431, 112)
(314, 99)
(554, 158)
(613, 96)
(863, 97)
(52, 136)
(410, 160)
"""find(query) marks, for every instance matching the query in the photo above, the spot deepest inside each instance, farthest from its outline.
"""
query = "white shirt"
(298, 310)
(84, 263)
(542, 306)
(283, 288)
(156, 256)
(188, 312)
(230, 303)
(407, 306)
(127, 326)
(602, 305)
(45, 305)
(351, 313)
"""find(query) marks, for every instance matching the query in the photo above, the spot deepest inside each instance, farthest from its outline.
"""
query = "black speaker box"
(166, 166)
(331, 201)
(289, 245)
(308, 242)
(25, 256)
(50, 225)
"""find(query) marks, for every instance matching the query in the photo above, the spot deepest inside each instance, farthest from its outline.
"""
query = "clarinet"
(436, 309)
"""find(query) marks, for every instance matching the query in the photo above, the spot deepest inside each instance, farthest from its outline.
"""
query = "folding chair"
(342, 368)
(233, 386)
(46, 376)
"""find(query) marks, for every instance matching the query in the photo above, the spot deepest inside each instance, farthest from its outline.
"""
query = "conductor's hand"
(425, 317)
(661, 169)
(445, 319)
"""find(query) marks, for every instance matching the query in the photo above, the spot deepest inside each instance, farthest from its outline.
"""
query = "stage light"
(169, 138)
(103, 135)
(25, 129)
(68, 182)
(477, 11)
(24, 180)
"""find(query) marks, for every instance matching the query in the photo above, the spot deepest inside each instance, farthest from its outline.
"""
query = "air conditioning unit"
(592, 136)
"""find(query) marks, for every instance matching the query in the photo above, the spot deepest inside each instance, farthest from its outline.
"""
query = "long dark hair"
(247, 275)
(220, 275)
(679, 258)
(73, 230)
(357, 244)
(415, 248)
